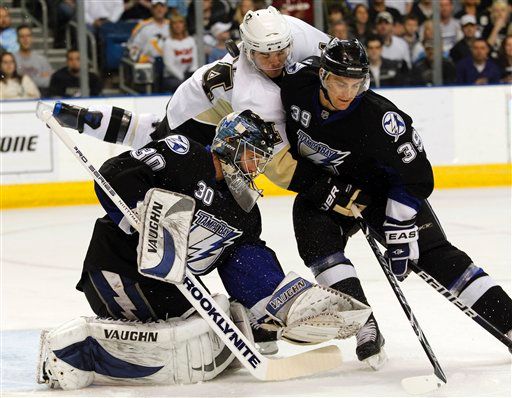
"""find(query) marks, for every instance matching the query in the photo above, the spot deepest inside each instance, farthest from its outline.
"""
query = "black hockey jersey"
(181, 165)
(371, 145)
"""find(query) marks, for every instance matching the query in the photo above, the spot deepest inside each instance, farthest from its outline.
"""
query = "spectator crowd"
(398, 34)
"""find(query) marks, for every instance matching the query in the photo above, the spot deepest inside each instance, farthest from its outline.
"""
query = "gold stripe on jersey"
(214, 114)
(281, 168)
(144, 23)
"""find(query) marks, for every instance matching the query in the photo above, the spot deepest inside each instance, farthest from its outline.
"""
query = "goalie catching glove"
(306, 313)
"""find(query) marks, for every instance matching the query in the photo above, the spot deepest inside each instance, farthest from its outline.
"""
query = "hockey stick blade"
(419, 385)
(261, 367)
(305, 364)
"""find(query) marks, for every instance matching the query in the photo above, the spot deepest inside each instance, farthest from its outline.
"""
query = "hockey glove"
(402, 244)
(331, 194)
(76, 117)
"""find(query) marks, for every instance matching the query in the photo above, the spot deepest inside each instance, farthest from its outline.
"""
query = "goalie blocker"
(163, 239)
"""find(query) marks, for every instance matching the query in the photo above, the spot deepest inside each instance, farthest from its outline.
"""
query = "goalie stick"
(415, 384)
(263, 368)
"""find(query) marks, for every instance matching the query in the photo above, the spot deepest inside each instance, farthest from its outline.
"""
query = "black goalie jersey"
(372, 144)
(180, 165)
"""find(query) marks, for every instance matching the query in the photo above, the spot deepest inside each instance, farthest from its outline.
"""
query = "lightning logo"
(128, 307)
(393, 125)
(320, 154)
(208, 238)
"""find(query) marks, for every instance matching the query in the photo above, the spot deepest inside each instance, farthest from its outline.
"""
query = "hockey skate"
(370, 345)
(266, 341)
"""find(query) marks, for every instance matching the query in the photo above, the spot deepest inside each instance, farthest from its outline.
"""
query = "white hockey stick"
(415, 384)
(304, 364)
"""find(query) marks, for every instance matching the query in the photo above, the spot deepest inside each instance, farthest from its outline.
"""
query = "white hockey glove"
(402, 245)
(306, 313)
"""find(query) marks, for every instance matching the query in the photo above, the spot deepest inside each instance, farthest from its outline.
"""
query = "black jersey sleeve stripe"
(118, 126)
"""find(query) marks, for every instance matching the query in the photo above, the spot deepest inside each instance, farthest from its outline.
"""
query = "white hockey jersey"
(228, 85)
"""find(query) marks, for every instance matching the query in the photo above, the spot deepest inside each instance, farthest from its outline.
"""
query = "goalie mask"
(267, 39)
(244, 144)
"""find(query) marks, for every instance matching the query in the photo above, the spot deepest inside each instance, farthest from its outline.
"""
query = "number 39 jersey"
(180, 165)
(371, 145)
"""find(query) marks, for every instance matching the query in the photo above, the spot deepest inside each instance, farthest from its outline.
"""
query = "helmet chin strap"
(325, 74)
(326, 95)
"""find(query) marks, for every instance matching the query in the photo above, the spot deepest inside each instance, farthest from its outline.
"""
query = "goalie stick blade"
(419, 385)
(304, 364)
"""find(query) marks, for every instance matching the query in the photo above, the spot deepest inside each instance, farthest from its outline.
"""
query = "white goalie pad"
(307, 313)
(90, 350)
(163, 240)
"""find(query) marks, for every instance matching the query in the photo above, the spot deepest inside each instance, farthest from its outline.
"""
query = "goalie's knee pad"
(112, 352)
(306, 313)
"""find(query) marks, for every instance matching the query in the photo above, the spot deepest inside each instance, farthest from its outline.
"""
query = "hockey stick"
(304, 364)
(416, 384)
(458, 303)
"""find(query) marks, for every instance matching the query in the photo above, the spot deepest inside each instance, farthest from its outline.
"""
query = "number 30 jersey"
(371, 145)
(180, 165)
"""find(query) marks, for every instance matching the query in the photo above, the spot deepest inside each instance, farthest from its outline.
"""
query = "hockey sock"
(479, 291)
(337, 272)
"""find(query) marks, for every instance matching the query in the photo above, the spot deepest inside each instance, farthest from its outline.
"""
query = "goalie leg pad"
(308, 313)
(90, 350)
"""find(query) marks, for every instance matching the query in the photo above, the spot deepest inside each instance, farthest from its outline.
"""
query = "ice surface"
(42, 251)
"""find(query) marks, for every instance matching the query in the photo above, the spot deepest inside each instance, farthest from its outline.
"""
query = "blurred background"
(148, 46)
(447, 63)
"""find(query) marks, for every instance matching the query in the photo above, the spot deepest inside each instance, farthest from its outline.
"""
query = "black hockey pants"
(322, 234)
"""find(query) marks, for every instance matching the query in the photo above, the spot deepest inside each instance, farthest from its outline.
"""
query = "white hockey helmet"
(265, 31)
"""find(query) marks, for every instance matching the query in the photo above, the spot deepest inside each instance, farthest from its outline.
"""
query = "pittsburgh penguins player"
(171, 345)
(247, 80)
(371, 151)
